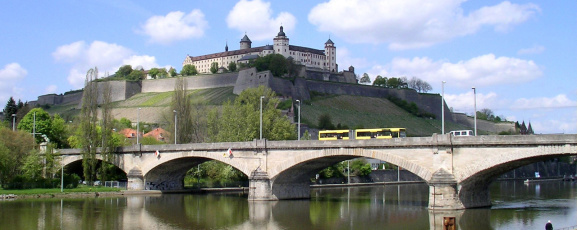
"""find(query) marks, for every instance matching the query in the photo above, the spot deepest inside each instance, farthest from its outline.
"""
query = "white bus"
(462, 133)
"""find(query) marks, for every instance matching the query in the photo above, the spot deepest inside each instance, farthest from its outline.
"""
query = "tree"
(154, 72)
(365, 79)
(182, 105)
(135, 75)
(232, 66)
(325, 122)
(14, 148)
(88, 125)
(162, 73)
(276, 63)
(9, 109)
(58, 132)
(419, 85)
(240, 120)
(485, 114)
(188, 70)
(39, 121)
(123, 71)
(106, 133)
(172, 72)
(214, 67)
(380, 81)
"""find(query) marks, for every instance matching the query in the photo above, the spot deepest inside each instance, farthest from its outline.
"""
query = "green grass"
(40, 191)
(158, 100)
(369, 112)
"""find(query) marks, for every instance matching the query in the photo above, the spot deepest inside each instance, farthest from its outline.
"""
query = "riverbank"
(120, 193)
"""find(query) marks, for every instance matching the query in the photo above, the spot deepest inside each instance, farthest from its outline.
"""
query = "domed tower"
(331, 54)
(281, 43)
(245, 43)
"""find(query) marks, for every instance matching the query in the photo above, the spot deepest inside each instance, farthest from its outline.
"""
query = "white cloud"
(465, 102)
(485, 70)
(559, 101)
(256, 19)
(106, 57)
(407, 24)
(346, 60)
(51, 89)
(10, 75)
(536, 49)
(175, 26)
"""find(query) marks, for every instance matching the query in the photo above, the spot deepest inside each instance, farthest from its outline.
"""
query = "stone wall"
(193, 82)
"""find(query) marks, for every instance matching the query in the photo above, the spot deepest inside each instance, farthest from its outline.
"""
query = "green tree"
(162, 73)
(276, 63)
(325, 122)
(58, 132)
(32, 166)
(181, 106)
(123, 71)
(89, 139)
(380, 81)
(106, 134)
(135, 75)
(365, 79)
(232, 66)
(240, 120)
(188, 70)
(172, 72)
(214, 67)
(154, 72)
(43, 122)
(9, 109)
(360, 167)
(14, 147)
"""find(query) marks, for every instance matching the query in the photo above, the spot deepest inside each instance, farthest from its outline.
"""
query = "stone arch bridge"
(458, 170)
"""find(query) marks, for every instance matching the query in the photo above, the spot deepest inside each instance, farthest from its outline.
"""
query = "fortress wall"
(193, 82)
(249, 78)
(48, 99)
(72, 98)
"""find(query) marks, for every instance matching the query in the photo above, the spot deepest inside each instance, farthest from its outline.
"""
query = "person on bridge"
(549, 226)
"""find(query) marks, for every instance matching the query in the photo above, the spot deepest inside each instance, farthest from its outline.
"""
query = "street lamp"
(261, 97)
(475, 108)
(13, 122)
(443, 108)
(299, 121)
(137, 125)
(174, 111)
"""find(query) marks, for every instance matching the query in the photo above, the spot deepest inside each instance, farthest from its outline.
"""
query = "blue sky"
(520, 55)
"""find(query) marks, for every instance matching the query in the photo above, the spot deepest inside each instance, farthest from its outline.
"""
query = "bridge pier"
(446, 194)
(262, 189)
(135, 179)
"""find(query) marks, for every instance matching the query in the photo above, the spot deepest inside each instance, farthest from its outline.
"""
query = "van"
(462, 133)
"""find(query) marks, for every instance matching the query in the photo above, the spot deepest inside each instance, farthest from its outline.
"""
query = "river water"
(515, 206)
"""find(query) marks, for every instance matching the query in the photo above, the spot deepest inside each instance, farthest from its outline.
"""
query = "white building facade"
(311, 58)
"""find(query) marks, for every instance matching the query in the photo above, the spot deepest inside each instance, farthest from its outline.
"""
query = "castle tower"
(281, 44)
(245, 43)
(331, 54)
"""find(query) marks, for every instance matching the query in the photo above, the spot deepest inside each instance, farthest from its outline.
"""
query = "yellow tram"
(362, 134)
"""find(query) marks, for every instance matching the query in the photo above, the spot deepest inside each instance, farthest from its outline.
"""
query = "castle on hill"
(309, 57)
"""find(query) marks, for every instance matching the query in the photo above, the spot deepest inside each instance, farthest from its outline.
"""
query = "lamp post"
(261, 97)
(475, 108)
(443, 108)
(299, 122)
(13, 122)
(137, 125)
(174, 111)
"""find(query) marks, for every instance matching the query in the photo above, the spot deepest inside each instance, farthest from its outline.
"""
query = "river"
(515, 206)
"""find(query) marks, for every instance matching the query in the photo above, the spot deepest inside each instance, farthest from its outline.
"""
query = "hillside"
(369, 112)
(353, 111)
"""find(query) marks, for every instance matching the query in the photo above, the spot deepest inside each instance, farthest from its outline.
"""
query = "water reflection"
(516, 206)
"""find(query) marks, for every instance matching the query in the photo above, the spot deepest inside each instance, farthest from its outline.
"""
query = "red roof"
(158, 134)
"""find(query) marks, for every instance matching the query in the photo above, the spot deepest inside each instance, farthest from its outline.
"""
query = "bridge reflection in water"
(517, 206)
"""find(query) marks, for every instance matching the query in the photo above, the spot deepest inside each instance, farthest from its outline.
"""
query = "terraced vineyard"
(352, 111)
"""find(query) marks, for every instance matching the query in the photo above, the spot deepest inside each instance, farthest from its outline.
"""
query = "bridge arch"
(291, 179)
